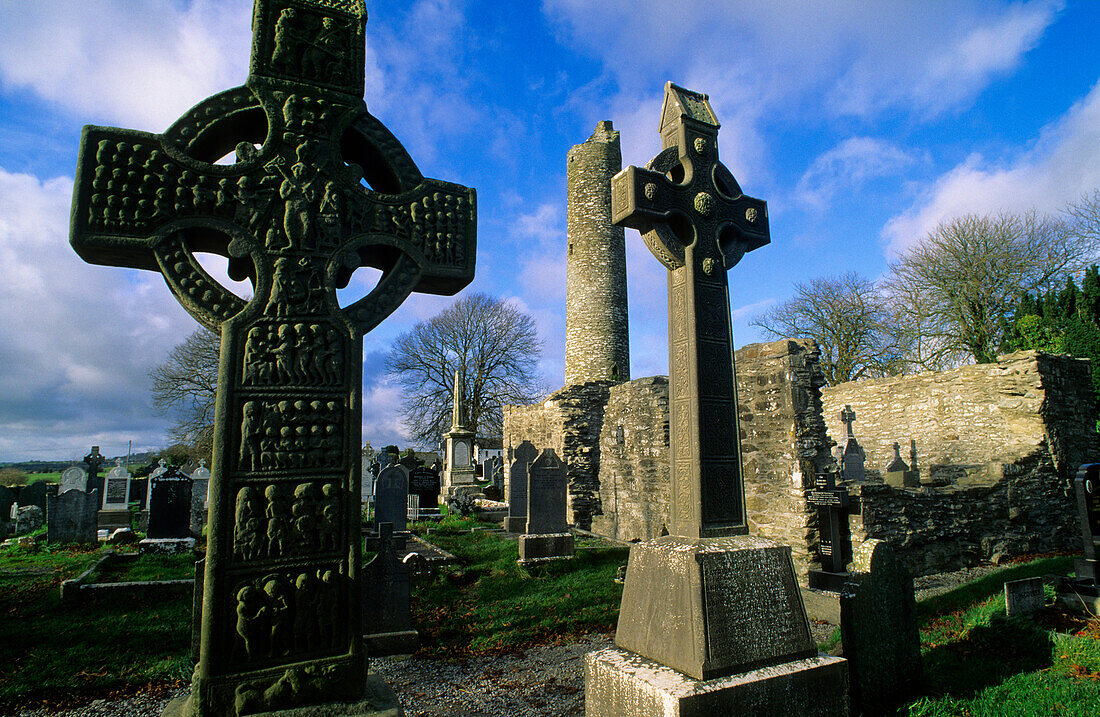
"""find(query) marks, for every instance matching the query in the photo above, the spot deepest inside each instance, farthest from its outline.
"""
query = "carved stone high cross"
(696, 221)
(280, 621)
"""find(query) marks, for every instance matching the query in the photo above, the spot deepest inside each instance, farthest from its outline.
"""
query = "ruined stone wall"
(597, 344)
(997, 446)
(783, 441)
(633, 469)
(569, 421)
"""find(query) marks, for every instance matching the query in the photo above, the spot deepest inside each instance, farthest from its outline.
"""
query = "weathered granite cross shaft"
(281, 613)
(695, 220)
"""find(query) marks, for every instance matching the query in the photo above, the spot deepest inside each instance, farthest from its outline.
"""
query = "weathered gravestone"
(424, 482)
(516, 520)
(115, 512)
(281, 618)
(27, 518)
(834, 537)
(878, 625)
(1024, 597)
(71, 516)
(73, 478)
(852, 455)
(707, 601)
(547, 536)
(170, 504)
(391, 497)
(387, 619)
(200, 498)
(1083, 592)
(94, 462)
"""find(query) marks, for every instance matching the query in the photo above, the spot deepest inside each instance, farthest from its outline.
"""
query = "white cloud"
(1062, 165)
(848, 166)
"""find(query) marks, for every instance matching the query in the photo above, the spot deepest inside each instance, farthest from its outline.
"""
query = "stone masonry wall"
(633, 469)
(783, 441)
(997, 447)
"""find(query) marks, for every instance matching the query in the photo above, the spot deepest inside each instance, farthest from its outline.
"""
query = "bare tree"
(492, 343)
(847, 317)
(969, 271)
(185, 386)
(1083, 217)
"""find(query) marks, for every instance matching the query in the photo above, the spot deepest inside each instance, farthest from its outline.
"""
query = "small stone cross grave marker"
(834, 538)
(281, 614)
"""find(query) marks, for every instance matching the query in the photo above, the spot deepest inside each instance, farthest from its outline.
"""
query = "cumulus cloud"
(1061, 166)
(76, 340)
(848, 166)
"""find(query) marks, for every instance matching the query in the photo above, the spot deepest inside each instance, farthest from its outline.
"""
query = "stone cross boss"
(696, 221)
(281, 610)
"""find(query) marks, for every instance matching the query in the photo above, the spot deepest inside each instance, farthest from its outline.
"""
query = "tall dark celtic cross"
(281, 602)
(695, 220)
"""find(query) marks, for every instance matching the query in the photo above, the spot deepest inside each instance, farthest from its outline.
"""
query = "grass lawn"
(976, 661)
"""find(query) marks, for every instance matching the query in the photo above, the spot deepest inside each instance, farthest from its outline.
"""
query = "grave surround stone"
(707, 602)
(280, 617)
(516, 520)
(547, 536)
(71, 517)
(878, 623)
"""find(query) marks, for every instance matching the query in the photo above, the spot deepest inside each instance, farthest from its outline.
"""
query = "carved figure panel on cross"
(280, 618)
(697, 222)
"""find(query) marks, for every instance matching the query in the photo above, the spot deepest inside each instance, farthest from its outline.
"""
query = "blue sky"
(862, 124)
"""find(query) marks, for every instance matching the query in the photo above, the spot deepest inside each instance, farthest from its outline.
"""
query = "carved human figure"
(282, 620)
(305, 623)
(284, 55)
(246, 526)
(251, 620)
(327, 608)
(329, 516)
(305, 521)
(250, 435)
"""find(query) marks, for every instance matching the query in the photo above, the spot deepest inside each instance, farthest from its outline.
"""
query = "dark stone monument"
(387, 619)
(1087, 489)
(1024, 597)
(706, 601)
(852, 455)
(899, 474)
(547, 536)
(7, 500)
(391, 498)
(878, 625)
(425, 483)
(71, 517)
(516, 520)
(170, 504)
(281, 610)
(94, 461)
(834, 537)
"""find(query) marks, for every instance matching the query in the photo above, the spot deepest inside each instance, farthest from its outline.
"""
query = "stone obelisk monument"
(712, 620)
(281, 627)
(458, 476)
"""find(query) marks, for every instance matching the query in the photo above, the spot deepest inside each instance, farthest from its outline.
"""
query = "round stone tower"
(597, 347)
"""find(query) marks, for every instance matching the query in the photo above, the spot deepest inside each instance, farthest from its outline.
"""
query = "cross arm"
(637, 203)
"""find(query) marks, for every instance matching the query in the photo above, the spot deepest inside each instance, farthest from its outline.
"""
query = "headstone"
(319, 188)
(878, 624)
(94, 462)
(547, 536)
(387, 618)
(458, 476)
(366, 490)
(200, 498)
(391, 497)
(706, 601)
(852, 455)
(424, 482)
(496, 477)
(898, 474)
(516, 520)
(71, 516)
(1024, 597)
(28, 518)
(7, 500)
(115, 512)
(170, 504)
(1086, 487)
(834, 544)
(73, 478)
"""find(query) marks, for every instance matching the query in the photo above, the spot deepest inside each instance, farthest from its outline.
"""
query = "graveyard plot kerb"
(696, 221)
(293, 213)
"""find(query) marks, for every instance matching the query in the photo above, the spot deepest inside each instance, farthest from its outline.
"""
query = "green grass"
(146, 567)
(53, 653)
(489, 603)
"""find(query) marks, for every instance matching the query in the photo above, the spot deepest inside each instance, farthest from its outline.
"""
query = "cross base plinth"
(827, 580)
(378, 701)
(619, 683)
(710, 607)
